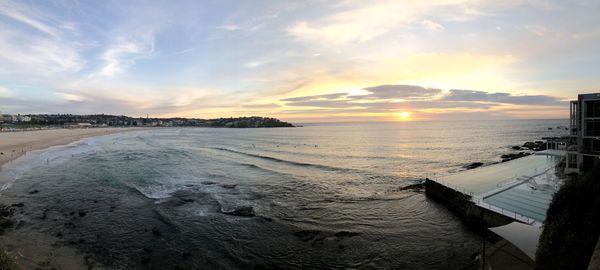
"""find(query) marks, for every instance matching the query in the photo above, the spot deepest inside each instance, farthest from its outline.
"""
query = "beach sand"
(16, 144)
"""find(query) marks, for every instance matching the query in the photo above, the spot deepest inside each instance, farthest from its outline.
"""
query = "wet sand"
(16, 144)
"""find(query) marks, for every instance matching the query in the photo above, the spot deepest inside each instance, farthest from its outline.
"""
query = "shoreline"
(16, 144)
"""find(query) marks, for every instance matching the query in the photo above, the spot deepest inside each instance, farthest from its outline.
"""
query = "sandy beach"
(16, 144)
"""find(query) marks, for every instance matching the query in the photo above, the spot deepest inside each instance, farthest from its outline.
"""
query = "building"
(583, 153)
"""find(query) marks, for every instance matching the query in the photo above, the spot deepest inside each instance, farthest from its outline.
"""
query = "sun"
(404, 116)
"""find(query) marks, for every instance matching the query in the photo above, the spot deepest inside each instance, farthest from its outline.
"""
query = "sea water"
(318, 196)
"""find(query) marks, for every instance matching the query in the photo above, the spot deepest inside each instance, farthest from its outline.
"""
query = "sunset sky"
(301, 61)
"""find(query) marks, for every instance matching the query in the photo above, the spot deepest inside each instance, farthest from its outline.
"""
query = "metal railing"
(516, 216)
(479, 202)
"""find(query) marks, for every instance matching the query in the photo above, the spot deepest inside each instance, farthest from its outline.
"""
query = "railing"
(523, 218)
(479, 202)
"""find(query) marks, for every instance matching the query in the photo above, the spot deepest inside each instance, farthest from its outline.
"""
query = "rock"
(246, 211)
(228, 186)
(516, 147)
(20, 224)
(147, 250)
(34, 191)
(82, 213)
(185, 254)
(416, 186)
(508, 157)
(306, 235)
(345, 234)
(473, 165)
(59, 235)
(156, 232)
(529, 145)
(17, 205)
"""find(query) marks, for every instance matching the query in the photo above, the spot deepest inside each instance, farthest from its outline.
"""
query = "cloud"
(400, 91)
(427, 101)
(481, 96)
(362, 21)
(317, 97)
(18, 13)
(261, 106)
(123, 54)
(5, 92)
(253, 64)
(432, 26)
(71, 97)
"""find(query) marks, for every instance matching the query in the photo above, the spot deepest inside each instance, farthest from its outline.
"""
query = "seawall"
(462, 205)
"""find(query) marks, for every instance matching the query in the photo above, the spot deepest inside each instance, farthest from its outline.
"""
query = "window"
(572, 158)
(592, 128)
(592, 108)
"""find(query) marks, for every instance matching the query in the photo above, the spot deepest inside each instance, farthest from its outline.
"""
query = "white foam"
(51, 156)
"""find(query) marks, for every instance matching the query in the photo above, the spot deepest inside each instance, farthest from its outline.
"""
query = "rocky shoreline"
(528, 148)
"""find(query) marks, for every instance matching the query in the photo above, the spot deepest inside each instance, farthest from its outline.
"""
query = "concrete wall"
(461, 204)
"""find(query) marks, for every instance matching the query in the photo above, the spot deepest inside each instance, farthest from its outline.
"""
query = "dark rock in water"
(529, 145)
(17, 205)
(473, 165)
(5, 217)
(246, 211)
(185, 254)
(306, 235)
(536, 146)
(59, 235)
(156, 232)
(82, 213)
(208, 183)
(416, 187)
(229, 186)
(187, 200)
(20, 224)
(508, 157)
(147, 250)
(267, 219)
(34, 191)
(345, 234)
(516, 147)
(70, 225)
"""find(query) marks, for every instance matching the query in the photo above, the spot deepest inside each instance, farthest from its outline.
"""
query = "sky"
(301, 61)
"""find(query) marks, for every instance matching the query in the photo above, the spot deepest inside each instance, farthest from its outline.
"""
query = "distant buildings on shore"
(583, 152)
(16, 118)
(102, 120)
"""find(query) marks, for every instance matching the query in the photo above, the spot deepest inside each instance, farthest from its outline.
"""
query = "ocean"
(322, 196)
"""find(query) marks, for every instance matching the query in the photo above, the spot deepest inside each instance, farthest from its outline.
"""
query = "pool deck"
(506, 188)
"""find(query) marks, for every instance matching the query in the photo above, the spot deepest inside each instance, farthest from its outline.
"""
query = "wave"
(295, 163)
(51, 156)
